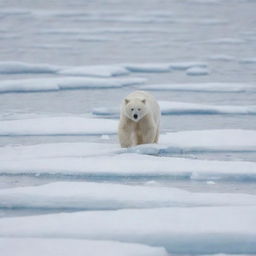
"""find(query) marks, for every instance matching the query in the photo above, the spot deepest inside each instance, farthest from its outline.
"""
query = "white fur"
(139, 120)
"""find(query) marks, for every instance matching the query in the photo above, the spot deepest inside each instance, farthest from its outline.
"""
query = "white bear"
(139, 120)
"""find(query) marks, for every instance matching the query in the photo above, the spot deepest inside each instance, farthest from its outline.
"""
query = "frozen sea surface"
(65, 67)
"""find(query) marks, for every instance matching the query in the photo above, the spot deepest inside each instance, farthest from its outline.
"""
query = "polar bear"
(139, 120)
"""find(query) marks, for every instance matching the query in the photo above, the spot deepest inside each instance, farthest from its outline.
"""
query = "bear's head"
(135, 109)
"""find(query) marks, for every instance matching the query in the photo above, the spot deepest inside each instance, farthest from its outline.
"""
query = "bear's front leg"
(148, 130)
(126, 133)
(149, 136)
(126, 138)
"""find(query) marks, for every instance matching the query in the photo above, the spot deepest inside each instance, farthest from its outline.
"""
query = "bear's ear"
(126, 101)
(143, 101)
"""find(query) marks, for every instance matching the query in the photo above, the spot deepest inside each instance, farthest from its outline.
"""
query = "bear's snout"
(135, 116)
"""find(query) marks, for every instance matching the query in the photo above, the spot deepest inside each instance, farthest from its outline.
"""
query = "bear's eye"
(138, 109)
(132, 109)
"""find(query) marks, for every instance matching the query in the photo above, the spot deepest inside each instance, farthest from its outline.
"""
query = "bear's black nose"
(135, 116)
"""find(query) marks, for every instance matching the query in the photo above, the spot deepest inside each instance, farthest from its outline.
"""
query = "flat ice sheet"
(148, 67)
(201, 87)
(54, 84)
(212, 140)
(202, 230)
(179, 108)
(107, 196)
(16, 67)
(68, 125)
(55, 150)
(97, 71)
(143, 166)
(77, 247)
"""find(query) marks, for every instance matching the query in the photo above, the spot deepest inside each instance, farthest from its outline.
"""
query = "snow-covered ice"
(179, 230)
(67, 125)
(99, 196)
(188, 64)
(78, 247)
(149, 67)
(202, 87)
(221, 57)
(168, 107)
(228, 41)
(16, 67)
(212, 140)
(197, 71)
(54, 150)
(97, 71)
(177, 108)
(248, 61)
(53, 84)
(177, 197)
(116, 166)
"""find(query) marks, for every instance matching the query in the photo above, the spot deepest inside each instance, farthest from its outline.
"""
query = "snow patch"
(143, 166)
(149, 67)
(107, 196)
(188, 64)
(16, 67)
(98, 71)
(197, 71)
(201, 87)
(202, 230)
(248, 61)
(178, 108)
(79, 247)
(58, 126)
(53, 84)
(212, 140)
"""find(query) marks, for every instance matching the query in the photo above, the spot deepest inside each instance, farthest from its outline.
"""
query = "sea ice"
(178, 108)
(97, 71)
(197, 71)
(107, 196)
(248, 61)
(168, 107)
(77, 247)
(16, 67)
(67, 125)
(194, 230)
(212, 140)
(188, 64)
(50, 84)
(55, 150)
(149, 67)
(143, 166)
(201, 87)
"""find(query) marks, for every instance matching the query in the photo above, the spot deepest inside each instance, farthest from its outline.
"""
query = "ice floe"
(55, 150)
(102, 31)
(201, 229)
(221, 57)
(98, 71)
(107, 196)
(226, 41)
(53, 84)
(212, 140)
(168, 107)
(202, 87)
(179, 108)
(197, 71)
(68, 125)
(78, 247)
(149, 67)
(248, 61)
(116, 166)
(15, 67)
(187, 64)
